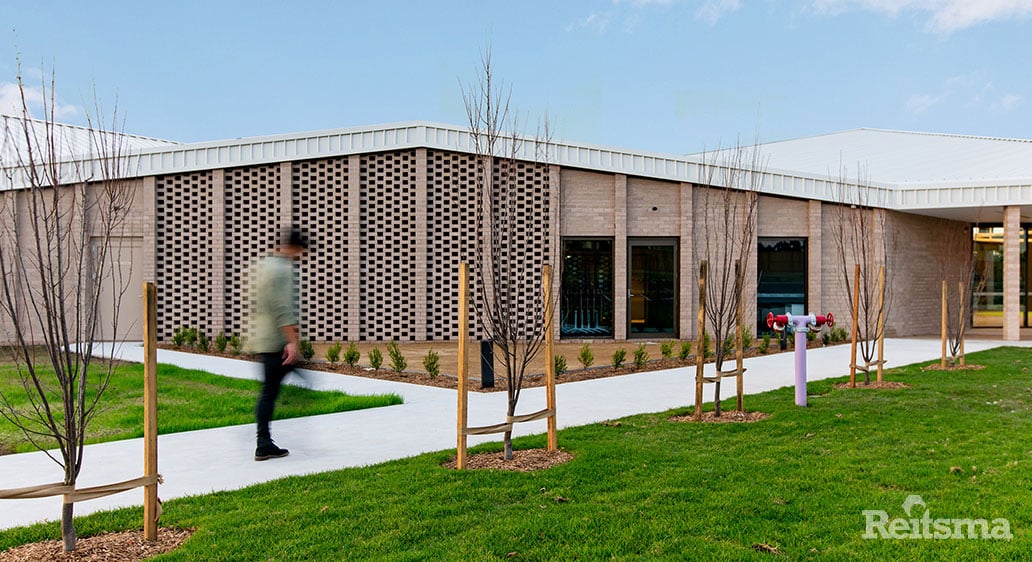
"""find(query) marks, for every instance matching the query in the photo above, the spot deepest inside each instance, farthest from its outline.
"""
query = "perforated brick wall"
(320, 203)
(387, 256)
(252, 227)
(530, 236)
(451, 221)
(185, 239)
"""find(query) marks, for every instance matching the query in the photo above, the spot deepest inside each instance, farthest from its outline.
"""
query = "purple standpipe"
(801, 323)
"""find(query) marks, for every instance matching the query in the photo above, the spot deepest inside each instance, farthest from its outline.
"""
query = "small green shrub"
(375, 358)
(352, 355)
(826, 338)
(641, 356)
(236, 344)
(707, 350)
(432, 363)
(221, 341)
(729, 344)
(747, 337)
(666, 349)
(203, 343)
(307, 351)
(333, 352)
(685, 351)
(619, 356)
(585, 356)
(398, 362)
(560, 364)
(811, 336)
(191, 338)
(765, 343)
(179, 337)
(838, 334)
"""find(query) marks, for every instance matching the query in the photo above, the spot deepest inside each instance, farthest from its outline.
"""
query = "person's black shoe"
(270, 451)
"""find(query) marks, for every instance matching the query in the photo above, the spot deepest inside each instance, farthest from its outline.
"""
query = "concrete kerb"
(200, 462)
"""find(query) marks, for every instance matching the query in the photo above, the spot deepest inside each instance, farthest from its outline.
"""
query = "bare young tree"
(957, 266)
(862, 238)
(728, 209)
(502, 272)
(58, 220)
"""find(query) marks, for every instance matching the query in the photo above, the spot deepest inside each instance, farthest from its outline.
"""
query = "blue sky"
(672, 76)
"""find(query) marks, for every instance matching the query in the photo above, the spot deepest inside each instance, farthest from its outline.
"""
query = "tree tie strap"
(72, 495)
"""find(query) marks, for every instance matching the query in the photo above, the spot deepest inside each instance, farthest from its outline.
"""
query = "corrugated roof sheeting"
(903, 159)
(902, 170)
(70, 141)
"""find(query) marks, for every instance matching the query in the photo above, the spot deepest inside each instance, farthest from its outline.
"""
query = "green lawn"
(187, 400)
(649, 489)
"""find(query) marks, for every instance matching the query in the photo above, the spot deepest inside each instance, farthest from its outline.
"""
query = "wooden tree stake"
(700, 352)
(945, 326)
(739, 352)
(463, 413)
(546, 281)
(881, 322)
(150, 409)
(856, 320)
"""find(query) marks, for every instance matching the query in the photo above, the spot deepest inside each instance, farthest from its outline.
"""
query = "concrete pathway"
(199, 462)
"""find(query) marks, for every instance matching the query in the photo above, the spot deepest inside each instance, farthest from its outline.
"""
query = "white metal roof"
(904, 159)
(70, 141)
(964, 178)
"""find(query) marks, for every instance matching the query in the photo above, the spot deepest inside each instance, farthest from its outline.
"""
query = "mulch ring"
(938, 367)
(733, 416)
(527, 460)
(883, 385)
(126, 546)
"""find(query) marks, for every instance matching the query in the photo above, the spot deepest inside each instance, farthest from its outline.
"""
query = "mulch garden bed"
(127, 546)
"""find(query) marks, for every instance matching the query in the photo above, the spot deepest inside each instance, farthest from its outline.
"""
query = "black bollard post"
(486, 364)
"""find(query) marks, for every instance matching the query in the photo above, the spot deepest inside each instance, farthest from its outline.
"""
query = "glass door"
(652, 288)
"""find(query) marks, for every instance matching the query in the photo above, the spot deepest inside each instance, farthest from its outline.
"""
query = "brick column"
(217, 313)
(353, 305)
(620, 262)
(814, 253)
(555, 253)
(688, 283)
(150, 229)
(1011, 274)
(420, 247)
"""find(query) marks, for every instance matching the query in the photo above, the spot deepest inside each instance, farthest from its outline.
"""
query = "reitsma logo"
(919, 524)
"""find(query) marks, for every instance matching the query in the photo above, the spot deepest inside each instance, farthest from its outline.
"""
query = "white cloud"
(954, 15)
(11, 102)
(919, 103)
(712, 10)
(644, 3)
(1007, 102)
(596, 21)
(943, 16)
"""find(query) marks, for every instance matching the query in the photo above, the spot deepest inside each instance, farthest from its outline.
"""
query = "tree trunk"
(717, 363)
(68, 527)
(508, 445)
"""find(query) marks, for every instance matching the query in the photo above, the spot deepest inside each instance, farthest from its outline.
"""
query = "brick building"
(390, 210)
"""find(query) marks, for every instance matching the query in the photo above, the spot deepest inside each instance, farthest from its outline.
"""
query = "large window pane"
(652, 295)
(586, 307)
(781, 278)
(987, 301)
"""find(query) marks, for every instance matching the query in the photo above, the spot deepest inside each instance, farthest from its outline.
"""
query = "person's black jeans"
(275, 371)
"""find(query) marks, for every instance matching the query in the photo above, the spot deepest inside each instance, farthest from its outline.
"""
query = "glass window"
(586, 295)
(987, 293)
(781, 278)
